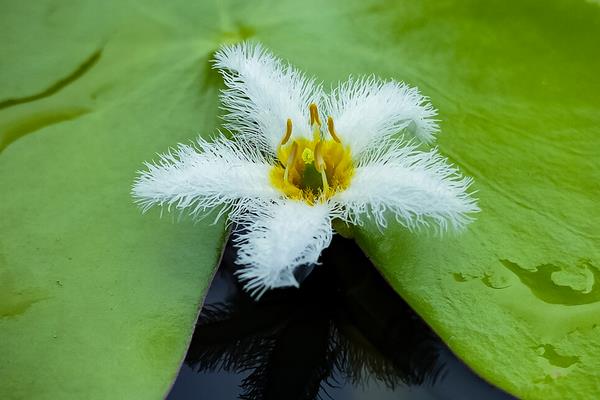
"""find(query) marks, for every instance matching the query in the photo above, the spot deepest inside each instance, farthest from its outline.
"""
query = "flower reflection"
(344, 325)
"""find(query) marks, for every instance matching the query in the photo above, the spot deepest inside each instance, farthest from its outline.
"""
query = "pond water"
(345, 334)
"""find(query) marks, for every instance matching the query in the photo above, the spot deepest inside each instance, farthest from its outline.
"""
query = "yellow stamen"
(312, 169)
(325, 184)
(316, 133)
(288, 132)
(331, 129)
(290, 161)
(320, 165)
(314, 115)
(319, 161)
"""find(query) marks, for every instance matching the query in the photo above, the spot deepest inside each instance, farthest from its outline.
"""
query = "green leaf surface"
(517, 296)
(97, 301)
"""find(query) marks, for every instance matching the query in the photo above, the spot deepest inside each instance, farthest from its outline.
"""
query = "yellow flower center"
(312, 170)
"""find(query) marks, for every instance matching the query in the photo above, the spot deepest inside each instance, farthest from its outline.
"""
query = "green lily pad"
(97, 301)
(517, 296)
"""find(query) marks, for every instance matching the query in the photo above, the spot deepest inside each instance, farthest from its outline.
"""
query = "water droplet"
(558, 360)
(541, 283)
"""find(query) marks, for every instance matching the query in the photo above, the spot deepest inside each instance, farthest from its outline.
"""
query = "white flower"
(288, 173)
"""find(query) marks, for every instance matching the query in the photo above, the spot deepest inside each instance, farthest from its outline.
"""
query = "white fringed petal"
(367, 111)
(277, 235)
(418, 188)
(263, 93)
(221, 172)
(278, 238)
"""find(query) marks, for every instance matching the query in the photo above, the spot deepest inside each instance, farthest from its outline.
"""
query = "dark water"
(345, 334)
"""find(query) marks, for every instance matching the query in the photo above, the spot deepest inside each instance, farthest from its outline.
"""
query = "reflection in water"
(345, 334)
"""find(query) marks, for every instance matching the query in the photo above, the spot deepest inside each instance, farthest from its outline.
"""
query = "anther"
(290, 161)
(324, 179)
(319, 161)
(314, 115)
(288, 132)
(331, 129)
